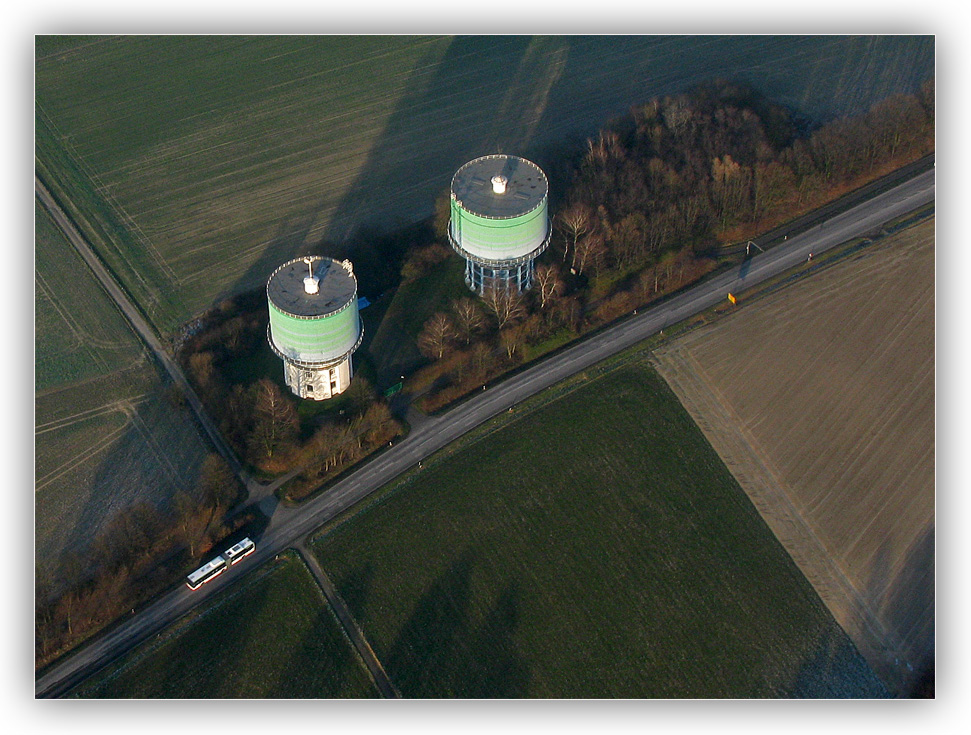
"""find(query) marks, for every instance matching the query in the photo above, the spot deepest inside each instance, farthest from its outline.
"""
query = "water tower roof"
(336, 286)
(525, 186)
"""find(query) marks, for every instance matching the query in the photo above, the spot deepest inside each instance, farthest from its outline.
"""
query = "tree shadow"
(495, 669)
(420, 661)
(437, 653)
(308, 675)
(538, 97)
(426, 139)
(355, 588)
(910, 606)
(159, 453)
(904, 600)
(178, 668)
(834, 669)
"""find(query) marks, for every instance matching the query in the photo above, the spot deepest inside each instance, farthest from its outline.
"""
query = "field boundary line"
(83, 336)
(731, 441)
(351, 629)
(110, 198)
(139, 425)
(320, 512)
(141, 327)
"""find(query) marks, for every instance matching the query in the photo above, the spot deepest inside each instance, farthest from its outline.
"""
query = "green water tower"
(499, 221)
(314, 324)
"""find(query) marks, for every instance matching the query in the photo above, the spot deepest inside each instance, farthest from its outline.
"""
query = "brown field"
(820, 399)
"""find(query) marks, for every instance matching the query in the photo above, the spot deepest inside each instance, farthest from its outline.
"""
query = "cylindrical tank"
(499, 221)
(314, 324)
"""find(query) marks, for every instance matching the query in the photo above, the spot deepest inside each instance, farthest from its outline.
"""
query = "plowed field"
(207, 161)
(820, 399)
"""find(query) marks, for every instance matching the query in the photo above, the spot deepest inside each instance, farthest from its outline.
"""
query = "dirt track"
(820, 399)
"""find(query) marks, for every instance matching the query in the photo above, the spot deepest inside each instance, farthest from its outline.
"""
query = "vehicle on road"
(209, 570)
(236, 552)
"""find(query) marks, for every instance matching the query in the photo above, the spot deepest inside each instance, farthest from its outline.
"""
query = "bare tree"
(233, 332)
(511, 339)
(202, 368)
(71, 578)
(218, 488)
(360, 394)
(770, 183)
(44, 603)
(658, 230)
(573, 222)
(481, 358)
(275, 419)
(677, 114)
(468, 317)
(629, 239)
(189, 519)
(731, 187)
(507, 306)
(437, 336)
(549, 282)
(587, 249)
(898, 119)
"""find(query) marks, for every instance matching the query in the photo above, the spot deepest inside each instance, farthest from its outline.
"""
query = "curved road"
(289, 525)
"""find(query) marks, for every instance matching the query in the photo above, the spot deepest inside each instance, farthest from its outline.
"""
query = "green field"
(394, 348)
(270, 636)
(201, 163)
(105, 434)
(79, 333)
(102, 459)
(593, 546)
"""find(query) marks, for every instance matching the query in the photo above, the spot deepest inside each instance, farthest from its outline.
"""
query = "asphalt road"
(288, 526)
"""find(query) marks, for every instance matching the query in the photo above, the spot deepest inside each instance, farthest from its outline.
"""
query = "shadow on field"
(305, 675)
(834, 669)
(423, 144)
(496, 670)
(907, 602)
(290, 242)
(905, 599)
(540, 97)
(437, 654)
(193, 664)
(355, 588)
(159, 452)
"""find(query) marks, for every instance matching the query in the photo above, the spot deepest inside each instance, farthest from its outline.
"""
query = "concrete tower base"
(318, 383)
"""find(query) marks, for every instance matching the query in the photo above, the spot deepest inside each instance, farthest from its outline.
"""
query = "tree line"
(259, 419)
(646, 206)
(137, 552)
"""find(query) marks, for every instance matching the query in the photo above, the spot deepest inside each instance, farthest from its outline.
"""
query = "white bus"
(212, 568)
(237, 552)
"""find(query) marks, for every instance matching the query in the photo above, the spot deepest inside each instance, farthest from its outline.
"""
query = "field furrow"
(209, 149)
(829, 382)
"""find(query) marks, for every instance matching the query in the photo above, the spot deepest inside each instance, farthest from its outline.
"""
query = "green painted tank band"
(315, 340)
(499, 238)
